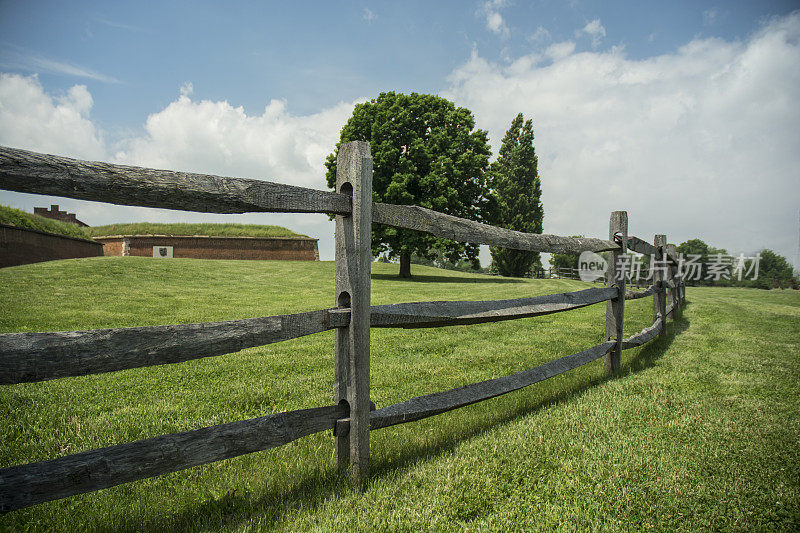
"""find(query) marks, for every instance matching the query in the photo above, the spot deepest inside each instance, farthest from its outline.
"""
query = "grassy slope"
(19, 218)
(215, 230)
(702, 429)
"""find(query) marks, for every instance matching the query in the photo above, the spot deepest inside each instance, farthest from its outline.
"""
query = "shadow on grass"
(421, 278)
(313, 490)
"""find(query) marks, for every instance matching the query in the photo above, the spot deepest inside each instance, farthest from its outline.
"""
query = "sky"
(684, 114)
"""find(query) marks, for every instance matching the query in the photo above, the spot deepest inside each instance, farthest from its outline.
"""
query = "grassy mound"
(701, 430)
(21, 219)
(212, 230)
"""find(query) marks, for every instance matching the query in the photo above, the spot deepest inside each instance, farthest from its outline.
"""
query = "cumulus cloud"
(34, 120)
(218, 138)
(205, 136)
(541, 34)
(494, 20)
(701, 142)
(595, 30)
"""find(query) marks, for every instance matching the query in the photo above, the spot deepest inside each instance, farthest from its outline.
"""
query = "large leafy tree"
(697, 247)
(774, 271)
(518, 188)
(425, 152)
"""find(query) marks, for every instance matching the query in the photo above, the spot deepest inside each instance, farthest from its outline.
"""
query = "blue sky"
(636, 95)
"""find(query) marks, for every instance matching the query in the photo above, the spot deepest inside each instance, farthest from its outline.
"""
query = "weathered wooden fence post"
(353, 258)
(615, 308)
(674, 293)
(659, 277)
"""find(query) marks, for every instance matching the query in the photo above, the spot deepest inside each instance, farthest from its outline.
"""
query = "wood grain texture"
(26, 357)
(25, 485)
(644, 336)
(640, 246)
(440, 402)
(435, 314)
(463, 230)
(352, 284)
(615, 308)
(659, 278)
(32, 172)
(635, 295)
(672, 254)
(672, 282)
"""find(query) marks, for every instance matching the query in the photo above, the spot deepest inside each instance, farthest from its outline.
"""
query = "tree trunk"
(405, 266)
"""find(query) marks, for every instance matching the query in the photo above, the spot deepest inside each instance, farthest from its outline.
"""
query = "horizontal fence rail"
(28, 357)
(32, 172)
(441, 402)
(643, 336)
(434, 314)
(639, 246)
(25, 485)
(649, 291)
(460, 229)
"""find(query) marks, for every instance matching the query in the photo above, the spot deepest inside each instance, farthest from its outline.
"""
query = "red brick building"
(204, 247)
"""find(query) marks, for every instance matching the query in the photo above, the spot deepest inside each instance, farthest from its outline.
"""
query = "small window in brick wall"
(162, 251)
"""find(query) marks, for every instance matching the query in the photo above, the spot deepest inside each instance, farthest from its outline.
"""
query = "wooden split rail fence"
(31, 357)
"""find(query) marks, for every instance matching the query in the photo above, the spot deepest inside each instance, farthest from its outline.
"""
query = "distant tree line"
(773, 271)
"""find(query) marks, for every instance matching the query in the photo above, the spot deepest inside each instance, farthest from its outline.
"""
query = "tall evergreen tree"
(516, 183)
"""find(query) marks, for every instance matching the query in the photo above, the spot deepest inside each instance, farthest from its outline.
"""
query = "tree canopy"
(706, 252)
(774, 270)
(515, 180)
(425, 152)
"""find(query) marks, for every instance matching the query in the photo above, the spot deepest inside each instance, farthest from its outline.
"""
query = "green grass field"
(701, 430)
(21, 219)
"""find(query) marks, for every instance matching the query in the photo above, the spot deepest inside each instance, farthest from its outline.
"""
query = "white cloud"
(18, 58)
(369, 15)
(33, 120)
(711, 16)
(559, 51)
(701, 142)
(217, 138)
(494, 20)
(205, 136)
(187, 89)
(120, 26)
(595, 30)
(541, 34)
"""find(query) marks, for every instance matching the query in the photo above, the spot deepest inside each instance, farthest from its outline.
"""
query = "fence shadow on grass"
(422, 278)
(310, 491)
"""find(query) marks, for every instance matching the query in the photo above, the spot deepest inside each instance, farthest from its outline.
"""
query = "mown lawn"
(702, 430)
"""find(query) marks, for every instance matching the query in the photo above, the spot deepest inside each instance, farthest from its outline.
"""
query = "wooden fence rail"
(24, 485)
(29, 357)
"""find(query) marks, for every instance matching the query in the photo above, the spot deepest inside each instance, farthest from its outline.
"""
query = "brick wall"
(55, 214)
(290, 249)
(19, 246)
